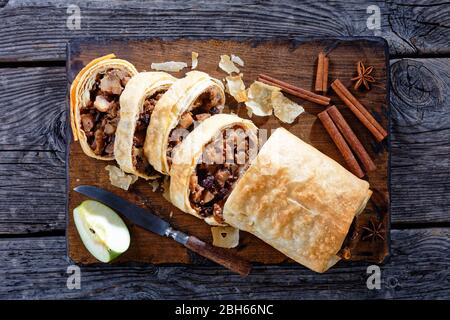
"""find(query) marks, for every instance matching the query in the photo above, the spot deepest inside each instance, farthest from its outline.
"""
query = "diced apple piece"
(102, 231)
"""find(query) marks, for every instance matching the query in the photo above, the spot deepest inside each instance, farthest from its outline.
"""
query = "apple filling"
(100, 116)
(209, 103)
(223, 162)
(139, 160)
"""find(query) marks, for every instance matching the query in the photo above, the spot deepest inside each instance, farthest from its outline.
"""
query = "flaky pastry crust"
(79, 95)
(298, 200)
(138, 88)
(187, 154)
(180, 96)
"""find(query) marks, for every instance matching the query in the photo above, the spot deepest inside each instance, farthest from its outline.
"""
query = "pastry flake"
(225, 237)
(194, 58)
(284, 109)
(227, 65)
(237, 60)
(169, 66)
(119, 179)
(236, 88)
(260, 98)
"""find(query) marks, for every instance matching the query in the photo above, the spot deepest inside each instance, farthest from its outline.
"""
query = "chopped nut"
(99, 142)
(217, 213)
(202, 116)
(87, 120)
(109, 148)
(197, 193)
(109, 129)
(101, 104)
(111, 84)
(222, 176)
(208, 196)
(193, 181)
(186, 120)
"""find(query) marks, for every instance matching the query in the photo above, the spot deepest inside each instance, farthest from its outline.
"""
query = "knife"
(149, 221)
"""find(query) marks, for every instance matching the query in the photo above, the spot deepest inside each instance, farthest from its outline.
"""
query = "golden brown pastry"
(137, 103)
(189, 100)
(209, 162)
(298, 200)
(94, 104)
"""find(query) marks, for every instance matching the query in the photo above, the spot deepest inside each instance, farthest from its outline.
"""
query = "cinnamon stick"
(351, 138)
(319, 75)
(325, 75)
(359, 110)
(341, 144)
(295, 91)
(322, 73)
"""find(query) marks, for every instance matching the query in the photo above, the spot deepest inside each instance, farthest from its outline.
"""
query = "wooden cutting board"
(288, 60)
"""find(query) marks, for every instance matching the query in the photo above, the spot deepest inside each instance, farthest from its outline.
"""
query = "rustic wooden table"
(32, 143)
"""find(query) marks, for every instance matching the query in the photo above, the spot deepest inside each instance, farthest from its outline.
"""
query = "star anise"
(364, 77)
(374, 231)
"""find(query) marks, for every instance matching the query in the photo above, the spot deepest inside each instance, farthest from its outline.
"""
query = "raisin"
(208, 182)
(223, 192)
(98, 116)
(145, 119)
(206, 211)
(214, 110)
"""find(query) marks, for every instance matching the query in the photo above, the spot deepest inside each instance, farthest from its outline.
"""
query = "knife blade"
(150, 221)
(139, 216)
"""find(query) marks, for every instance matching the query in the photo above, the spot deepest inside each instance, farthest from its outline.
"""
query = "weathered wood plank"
(419, 268)
(37, 29)
(32, 183)
(32, 105)
(420, 135)
(32, 192)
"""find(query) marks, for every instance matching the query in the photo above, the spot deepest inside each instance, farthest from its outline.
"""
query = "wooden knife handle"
(219, 255)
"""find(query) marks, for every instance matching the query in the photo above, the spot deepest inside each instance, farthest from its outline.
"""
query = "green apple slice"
(102, 231)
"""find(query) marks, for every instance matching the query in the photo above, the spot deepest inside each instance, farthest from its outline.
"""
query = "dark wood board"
(292, 61)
